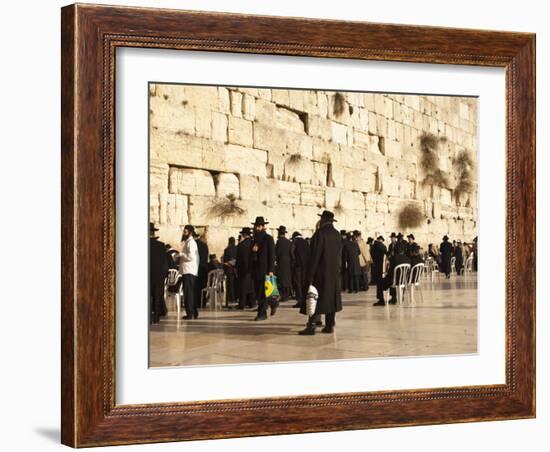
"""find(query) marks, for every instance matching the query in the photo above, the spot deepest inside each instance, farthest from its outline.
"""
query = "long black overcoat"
(300, 253)
(324, 269)
(378, 251)
(158, 258)
(262, 262)
(351, 255)
(459, 258)
(446, 251)
(283, 257)
(243, 266)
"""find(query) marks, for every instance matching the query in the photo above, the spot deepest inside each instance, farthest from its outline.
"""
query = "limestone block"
(227, 183)
(319, 127)
(372, 123)
(268, 191)
(168, 147)
(353, 200)
(224, 104)
(464, 111)
(332, 197)
(170, 234)
(392, 131)
(203, 123)
(320, 174)
(204, 97)
(249, 187)
(169, 117)
(276, 164)
(154, 207)
(362, 180)
(370, 201)
(268, 138)
(397, 111)
(296, 99)
(158, 176)
(250, 91)
(191, 181)
(176, 209)
(305, 217)
(264, 93)
(240, 131)
(406, 189)
(381, 126)
(446, 196)
(344, 116)
(264, 111)
(379, 105)
(280, 97)
(244, 160)
(312, 195)
(287, 120)
(339, 133)
(249, 107)
(236, 99)
(362, 139)
(382, 205)
(324, 151)
(203, 212)
(395, 203)
(352, 157)
(288, 192)
(374, 224)
(368, 101)
(219, 127)
(310, 102)
(418, 120)
(322, 104)
(389, 185)
(392, 149)
(397, 168)
(412, 102)
(436, 210)
(167, 93)
(298, 169)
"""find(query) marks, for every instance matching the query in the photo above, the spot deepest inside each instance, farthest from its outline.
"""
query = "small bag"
(311, 300)
(271, 289)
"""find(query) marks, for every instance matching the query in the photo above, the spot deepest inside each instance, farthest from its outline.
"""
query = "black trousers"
(344, 279)
(299, 283)
(158, 305)
(330, 319)
(230, 287)
(189, 294)
(259, 291)
(364, 279)
(246, 293)
(353, 282)
(200, 284)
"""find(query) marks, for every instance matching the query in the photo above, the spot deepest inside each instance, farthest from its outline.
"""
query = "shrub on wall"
(464, 166)
(410, 216)
(429, 161)
(339, 104)
(228, 206)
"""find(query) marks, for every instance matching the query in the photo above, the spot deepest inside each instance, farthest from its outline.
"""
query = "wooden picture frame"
(90, 36)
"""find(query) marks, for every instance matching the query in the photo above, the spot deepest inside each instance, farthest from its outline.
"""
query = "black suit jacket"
(262, 261)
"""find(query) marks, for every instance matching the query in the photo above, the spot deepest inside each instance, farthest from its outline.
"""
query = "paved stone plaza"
(444, 323)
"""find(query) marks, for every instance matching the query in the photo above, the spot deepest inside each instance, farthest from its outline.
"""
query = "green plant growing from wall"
(464, 167)
(227, 206)
(410, 216)
(429, 161)
(339, 104)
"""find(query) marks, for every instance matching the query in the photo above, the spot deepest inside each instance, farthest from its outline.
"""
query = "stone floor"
(444, 323)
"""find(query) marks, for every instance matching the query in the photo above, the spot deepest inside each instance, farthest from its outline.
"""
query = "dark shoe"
(187, 317)
(393, 301)
(308, 331)
(328, 330)
(350, 291)
(196, 316)
(260, 317)
(273, 309)
(319, 323)
(379, 303)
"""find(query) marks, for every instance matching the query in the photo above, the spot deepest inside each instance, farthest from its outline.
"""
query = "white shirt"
(189, 257)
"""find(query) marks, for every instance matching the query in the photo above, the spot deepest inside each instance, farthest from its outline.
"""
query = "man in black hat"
(446, 252)
(300, 257)
(323, 274)
(283, 258)
(378, 253)
(459, 257)
(158, 270)
(410, 243)
(262, 264)
(244, 279)
(399, 257)
(202, 277)
(393, 241)
(353, 267)
(343, 264)
(365, 260)
(229, 259)
(189, 269)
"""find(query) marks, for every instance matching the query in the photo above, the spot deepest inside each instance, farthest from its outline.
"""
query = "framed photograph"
(281, 225)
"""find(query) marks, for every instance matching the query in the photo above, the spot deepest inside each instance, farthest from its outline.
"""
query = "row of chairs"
(432, 268)
(406, 280)
(211, 295)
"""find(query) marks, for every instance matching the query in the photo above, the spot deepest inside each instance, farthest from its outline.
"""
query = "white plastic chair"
(414, 282)
(399, 283)
(469, 266)
(173, 278)
(214, 287)
(453, 265)
(431, 268)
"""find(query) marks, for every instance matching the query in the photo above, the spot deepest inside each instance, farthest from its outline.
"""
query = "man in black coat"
(459, 262)
(245, 283)
(351, 256)
(262, 264)
(202, 278)
(399, 257)
(393, 241)
(410, 244)
(282, 269)
(343, 264)
(300, 258)
(158, 270)
(378, 252)
(229, 259)
(446, 252)
(324, 274)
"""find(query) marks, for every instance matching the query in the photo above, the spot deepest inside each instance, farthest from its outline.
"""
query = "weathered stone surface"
(236, 100)
(339, 133)
(227, 184)
(312, 195)
(249, 107)
(191, 181)
(240, 131)
(158, 176)
(289, 192)
(219, 127)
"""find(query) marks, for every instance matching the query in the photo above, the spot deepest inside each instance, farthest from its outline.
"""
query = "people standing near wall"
(300, 258)
(202, 278)
(189, 268)
(343, 265)
(393, 241)
(445, 252)
(351, 253)
(262, 264)
(410, 244)
(324, 274)
(459, 257)
(282, 269)
(379, 253)
(244, 278)
(158, 270)
(365, 260)
(399, 257)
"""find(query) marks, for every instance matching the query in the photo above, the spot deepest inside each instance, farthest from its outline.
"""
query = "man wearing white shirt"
(189, 268)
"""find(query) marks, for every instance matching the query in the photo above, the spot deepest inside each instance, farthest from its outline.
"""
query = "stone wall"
(289, 154)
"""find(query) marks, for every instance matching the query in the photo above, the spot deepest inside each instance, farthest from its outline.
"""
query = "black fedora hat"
(343, 232)
(393, 235)
(380, 237)
(246, 230)
(152, 227)
(296, 234)
(327, 216)
(410, 236)
(445, 238)
(399, 235)
(281, 229)
(260, 220)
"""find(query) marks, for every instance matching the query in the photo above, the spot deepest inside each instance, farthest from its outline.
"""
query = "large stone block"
(339, 133)
(224, 104)
(204, 97)
(265, 111)
(205, 211)
(236, 100)
(154, 207)
(226, 184)
(249, 187)
(362, 180)
(191, 181)
(281, 97)
(319, 127)
(240, 131)
(352, 200)
(158, 176)
(389, 185)
(168, 117)
(203, 123)
(219, 127)
(244, 160)
(176, 149)
(299, 169)
(287, 120)
(332, 197)
(288, 192)
(312, 195)
(269, 138)
(322, 104)
(305, 217)
(176, 209)
(249, 107)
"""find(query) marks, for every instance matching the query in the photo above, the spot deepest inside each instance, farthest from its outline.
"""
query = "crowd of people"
(332, 261)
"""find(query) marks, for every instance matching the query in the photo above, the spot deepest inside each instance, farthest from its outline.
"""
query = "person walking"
(202, 277)
(262, 264)
(459, 257)
(282, 268)
(189, 269)
(378, 253)
(351, 253)
(244, 279)
(158, 270)
(300, 258)
(365, 260)
(446, 252)
(324, 274)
